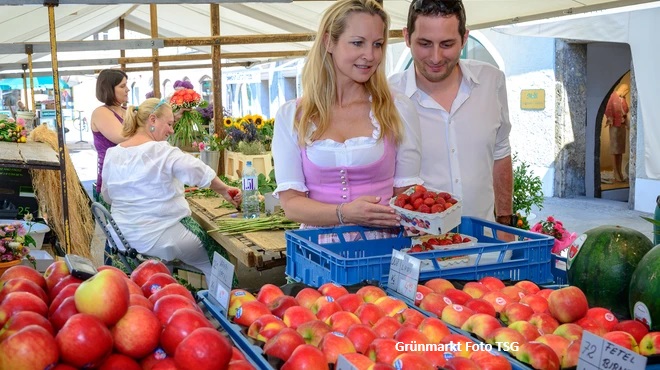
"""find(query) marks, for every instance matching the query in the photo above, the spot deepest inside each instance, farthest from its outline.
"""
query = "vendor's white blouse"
(356, 151)
(144, 185)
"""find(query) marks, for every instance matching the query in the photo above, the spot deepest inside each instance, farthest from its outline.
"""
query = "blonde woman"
(349, 144)
(143, 180)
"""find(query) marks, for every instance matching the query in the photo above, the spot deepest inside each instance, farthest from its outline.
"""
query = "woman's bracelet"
(340, 215)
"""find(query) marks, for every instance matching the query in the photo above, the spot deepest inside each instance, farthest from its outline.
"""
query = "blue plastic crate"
(252, 353)
(353, 262)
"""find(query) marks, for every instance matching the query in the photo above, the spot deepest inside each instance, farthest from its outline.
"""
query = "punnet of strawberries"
(433, 242)
(425, 201)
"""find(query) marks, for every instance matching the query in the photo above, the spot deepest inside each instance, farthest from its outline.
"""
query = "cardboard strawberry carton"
(428, 210)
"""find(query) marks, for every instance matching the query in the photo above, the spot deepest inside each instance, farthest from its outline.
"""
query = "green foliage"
(267, 185)
(527, 187)
(654, 222)
(251, 148)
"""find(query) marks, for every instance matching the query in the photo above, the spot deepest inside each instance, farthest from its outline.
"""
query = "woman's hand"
(366, 211)
(232, 195)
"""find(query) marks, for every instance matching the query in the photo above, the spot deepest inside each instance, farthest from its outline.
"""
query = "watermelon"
(644, 290)
(601, 263)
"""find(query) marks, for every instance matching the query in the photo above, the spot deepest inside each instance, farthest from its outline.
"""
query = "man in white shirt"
(463, 112)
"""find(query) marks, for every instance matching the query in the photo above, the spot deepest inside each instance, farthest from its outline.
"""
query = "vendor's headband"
(160, 103)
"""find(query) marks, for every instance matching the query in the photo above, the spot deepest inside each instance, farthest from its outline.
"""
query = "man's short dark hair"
(105, 85)
(443, 8)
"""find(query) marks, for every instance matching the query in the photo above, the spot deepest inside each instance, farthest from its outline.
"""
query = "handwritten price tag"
(597, 353)
(404, 274)
(222, 276)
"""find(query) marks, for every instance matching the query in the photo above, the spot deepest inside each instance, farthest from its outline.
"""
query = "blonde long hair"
(319, 80)
(137, 116)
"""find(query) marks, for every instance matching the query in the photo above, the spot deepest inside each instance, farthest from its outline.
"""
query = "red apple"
(461, 363)
(334, 344)
(535, 302)
(434, 329)
(568, 304)
(361, 336)
(94, 295)
(65, 293)
(84, 341)
(623, 339)
(571, 356)
(147, 268)
(22, 285)
(497, 299)
(650, 344)
(545, 293)
(296, 315)
(203, 349)
(278, 305)
(409, 335)
(306, 357)
(603, 316)
(527, 329)
(140, 300)
(350, 302)
(342, 320)
(481, 324)
(24, 272)
(370, 293)
(61, 284)
(265, 327)
(410, 317)
(538, 355)
(137, 333)
(240, 365)
(383, 350)
(333, 290)
(21, 301)
(435, 303)
(457, 296)
(166, 306)
(64, 311)
(158, 360)
(117, 361)
(268, 292)
(557, 343)
(359, 361)
(369, 313)
(249, 312)
(412, 361)
(456, 315)
(515, 311)
(513, 292)
(21, 319)
(492, 283)
(236, 298)
(475, 289)
(313, 331)
(544, 322)
(183, 322)
(236, 354)
(156, 282)
(591, 325)
(284, 343)
(422, 291)
(324, 307)
(55, 272)
(459, 345)
(439, 285)
(528, 286)
(386, 327)
(570, 331)
(32, 347)
(480, 305)
(506, 339)
(171, 289)
(132, 287)
(634, 327)
(307, 296)
(490, 360)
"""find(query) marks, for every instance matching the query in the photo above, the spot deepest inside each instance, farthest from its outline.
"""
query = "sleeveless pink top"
(335, 185)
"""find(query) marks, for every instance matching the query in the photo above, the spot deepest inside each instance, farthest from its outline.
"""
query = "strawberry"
(433, 241)
(445, 242)
(456, 238)
(448, 205)
(417, 203)
(415, 248)
(430, 194)
(414, 196)
(399, 202)
(437, 208)
(420, 188)
(404, 197)
(429, 201)
(452, 201)
(444, 195)
(466, 240)
(409, 207)
(424, 208)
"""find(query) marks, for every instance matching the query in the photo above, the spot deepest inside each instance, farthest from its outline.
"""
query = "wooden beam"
(216, 72)
(113, 2)
(91, 45)
(122, 30)
(153, 12)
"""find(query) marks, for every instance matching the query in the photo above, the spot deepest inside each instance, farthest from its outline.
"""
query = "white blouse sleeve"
(408, 153)
(188, 169)
(286, 152)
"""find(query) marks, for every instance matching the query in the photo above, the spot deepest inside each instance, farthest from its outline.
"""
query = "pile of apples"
(110, 321)
(540, 327)
(311, 330)
(425, 201)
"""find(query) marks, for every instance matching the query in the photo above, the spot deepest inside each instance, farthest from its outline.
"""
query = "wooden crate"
(235, 161)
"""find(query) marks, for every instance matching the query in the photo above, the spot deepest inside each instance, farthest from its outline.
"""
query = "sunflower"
(227, 122)
(258, 121)
(241, 124)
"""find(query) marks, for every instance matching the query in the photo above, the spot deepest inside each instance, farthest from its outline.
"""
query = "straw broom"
(48, 189)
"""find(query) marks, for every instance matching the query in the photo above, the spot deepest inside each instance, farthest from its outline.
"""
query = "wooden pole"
(122, 35)
(25, 92)
(216, 70)
(60, 131)
(154, 51)
(34, 104)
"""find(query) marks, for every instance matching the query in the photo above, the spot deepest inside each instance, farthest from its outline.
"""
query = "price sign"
(597, 353)
(404, 274)
(343, 364)
(222, 276)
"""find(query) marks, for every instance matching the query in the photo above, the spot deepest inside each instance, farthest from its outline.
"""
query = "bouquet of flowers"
(212, 143)
(555, 228)
(250, 135)
(12, 130)
(14, 241)
(186, 129)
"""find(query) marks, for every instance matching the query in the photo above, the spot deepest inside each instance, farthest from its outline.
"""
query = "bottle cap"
(248, 163)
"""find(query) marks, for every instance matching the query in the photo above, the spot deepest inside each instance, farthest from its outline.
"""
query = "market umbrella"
(39, 83)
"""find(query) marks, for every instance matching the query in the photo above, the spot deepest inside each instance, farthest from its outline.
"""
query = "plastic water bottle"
(250, 204)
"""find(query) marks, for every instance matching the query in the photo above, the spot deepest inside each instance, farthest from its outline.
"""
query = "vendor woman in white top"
(143, 180)
(349, 143)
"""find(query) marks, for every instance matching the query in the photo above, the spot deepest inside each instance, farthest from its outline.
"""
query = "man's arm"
(503, 186)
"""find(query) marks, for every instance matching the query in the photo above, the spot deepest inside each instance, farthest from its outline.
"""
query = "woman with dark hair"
(107, 120)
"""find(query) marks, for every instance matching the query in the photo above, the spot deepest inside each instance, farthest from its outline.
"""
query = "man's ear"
(465, 38)
(406, 36)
